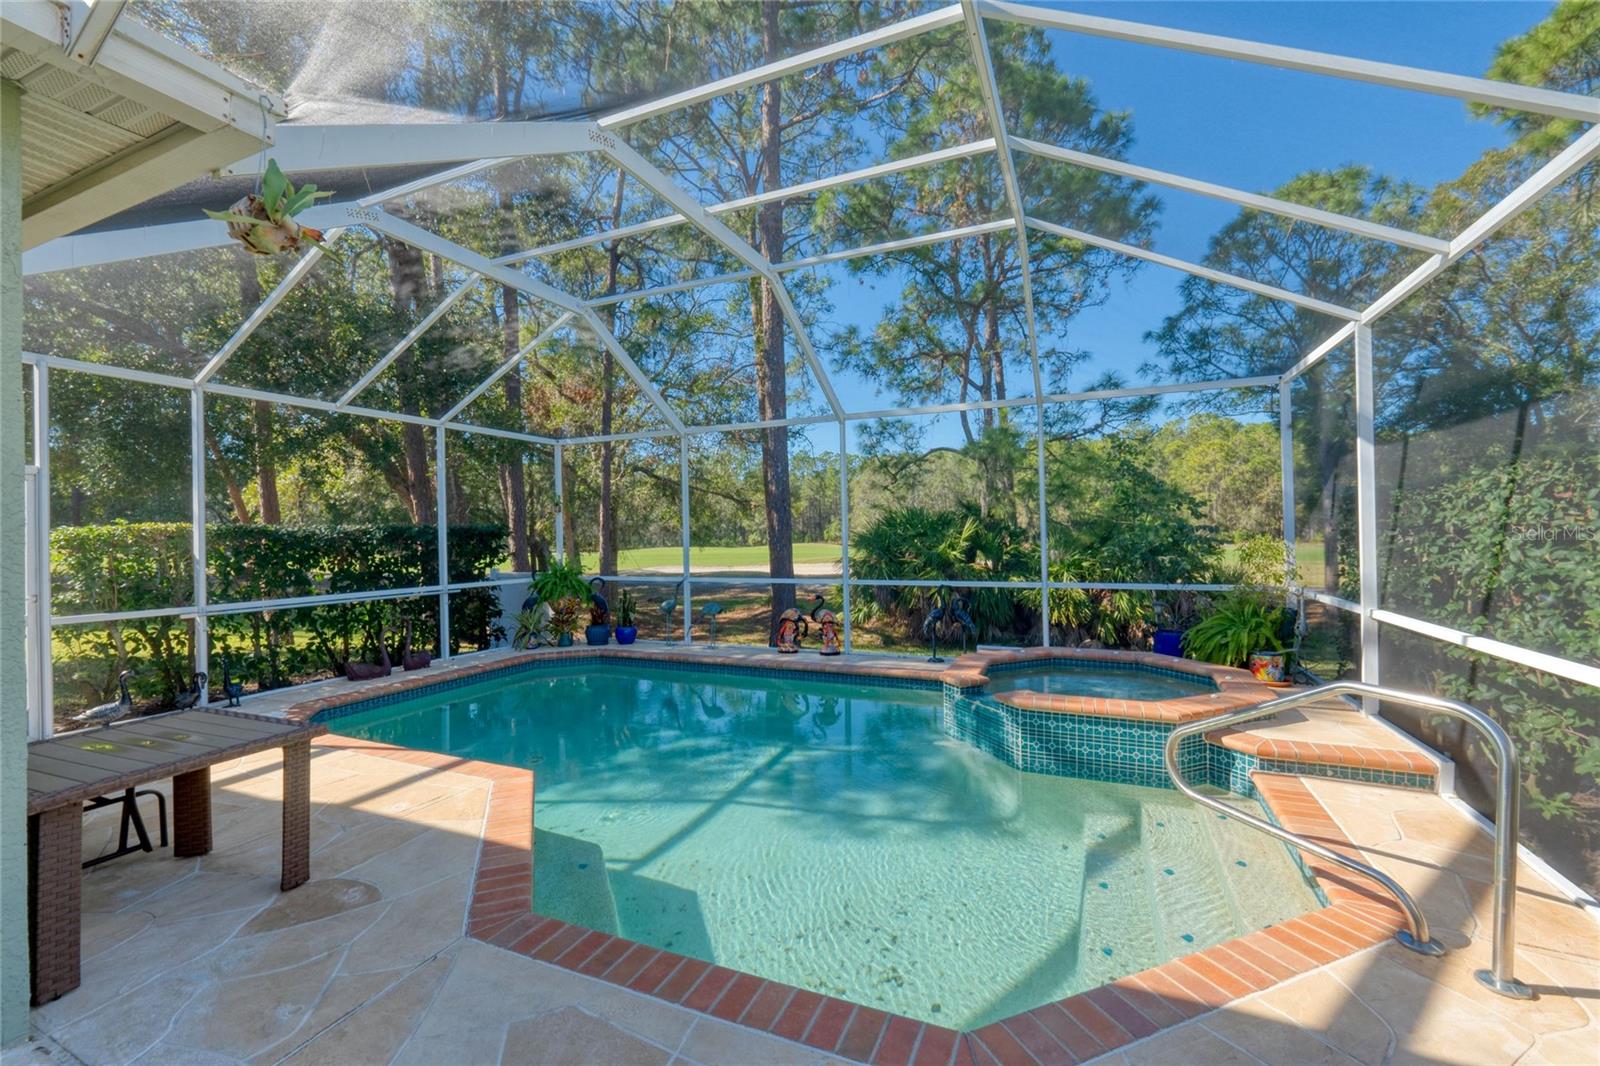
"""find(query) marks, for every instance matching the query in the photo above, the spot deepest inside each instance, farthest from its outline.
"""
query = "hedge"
(127, 566)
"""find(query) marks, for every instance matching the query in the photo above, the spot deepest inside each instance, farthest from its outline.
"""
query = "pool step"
(1193, 901)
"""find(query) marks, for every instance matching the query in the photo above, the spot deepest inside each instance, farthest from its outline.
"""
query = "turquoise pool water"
(830, 836)
(1063, 678)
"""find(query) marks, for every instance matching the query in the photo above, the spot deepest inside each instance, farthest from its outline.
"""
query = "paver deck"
(201, 960)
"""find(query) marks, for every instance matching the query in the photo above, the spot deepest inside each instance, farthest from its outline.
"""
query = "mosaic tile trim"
(1124, 751)
(1069, 665)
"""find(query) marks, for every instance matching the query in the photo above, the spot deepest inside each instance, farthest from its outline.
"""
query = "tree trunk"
(409, 280)
(250, 297)
(608, 395)
(241, 510)
(513, 482)
(771, 377)
(1328, 505)
(266, 465)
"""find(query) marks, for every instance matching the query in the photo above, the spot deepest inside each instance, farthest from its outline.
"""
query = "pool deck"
(389, 956)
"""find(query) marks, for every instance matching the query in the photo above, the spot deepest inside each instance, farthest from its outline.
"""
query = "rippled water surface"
(829, 836)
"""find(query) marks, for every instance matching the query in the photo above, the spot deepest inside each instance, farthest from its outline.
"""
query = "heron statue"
(709, 612)
(668, 606)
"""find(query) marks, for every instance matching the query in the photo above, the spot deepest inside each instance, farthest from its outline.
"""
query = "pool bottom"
(833, 840)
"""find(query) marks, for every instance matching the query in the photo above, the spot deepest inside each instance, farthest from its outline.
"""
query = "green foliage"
(1240, 623)
(564, 615)
(530, 629)
(559, 581)
(626, 606)
(958, 544)
(126, 566)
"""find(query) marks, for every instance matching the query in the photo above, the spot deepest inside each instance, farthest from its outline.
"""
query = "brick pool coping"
(1067, 1031)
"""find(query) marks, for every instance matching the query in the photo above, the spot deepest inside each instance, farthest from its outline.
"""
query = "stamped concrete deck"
(203, 961)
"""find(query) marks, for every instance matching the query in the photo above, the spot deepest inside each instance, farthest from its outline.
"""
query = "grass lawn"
(751, 557)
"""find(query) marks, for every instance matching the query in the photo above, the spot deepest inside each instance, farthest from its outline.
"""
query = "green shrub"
(1241, 622)
(126, 566)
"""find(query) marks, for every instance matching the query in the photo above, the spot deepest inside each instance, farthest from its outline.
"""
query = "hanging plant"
(263, 221)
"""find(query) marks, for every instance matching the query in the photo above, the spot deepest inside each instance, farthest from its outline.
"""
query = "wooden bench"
(66, 771)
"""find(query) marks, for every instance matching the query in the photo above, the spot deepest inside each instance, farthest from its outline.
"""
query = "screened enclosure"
(825, 306)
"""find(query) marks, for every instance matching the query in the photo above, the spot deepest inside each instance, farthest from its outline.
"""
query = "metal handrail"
(1498, 977)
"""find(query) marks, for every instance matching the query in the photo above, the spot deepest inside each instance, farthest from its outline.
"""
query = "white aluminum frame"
(476, 148)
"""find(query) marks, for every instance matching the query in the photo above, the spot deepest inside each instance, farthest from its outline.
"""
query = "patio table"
(66, 771)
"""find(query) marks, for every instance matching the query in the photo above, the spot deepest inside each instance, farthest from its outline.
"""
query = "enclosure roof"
(374, 164)
(111, 110)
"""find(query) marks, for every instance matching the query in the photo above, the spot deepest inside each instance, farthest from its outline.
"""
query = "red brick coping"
(1069, 1031)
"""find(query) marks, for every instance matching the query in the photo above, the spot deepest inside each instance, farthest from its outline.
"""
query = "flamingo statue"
(668, 606)
(827, 624)
(709, 612)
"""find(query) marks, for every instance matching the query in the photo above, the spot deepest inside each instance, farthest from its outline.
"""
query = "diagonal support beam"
(989, 88)
(1271, 205)
(897, 31)
(1481, 90)
(297, 273)
(648, 174)
(404, 343)
(506, 367)
(1222, 277)
(417, 237)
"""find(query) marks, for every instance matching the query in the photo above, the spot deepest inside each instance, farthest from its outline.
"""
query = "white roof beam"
(297, 273)
(506, 367)
(418, 237)
(1480, 90)
(888, 247)
(898, 31)
(625, 156)
(989, 89)
(298, 148)
(1273, 292)
(1254, 201)
(92, 23)
(404, 343)
(1320, 352)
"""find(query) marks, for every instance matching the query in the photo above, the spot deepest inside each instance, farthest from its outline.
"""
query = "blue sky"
(1255, 127)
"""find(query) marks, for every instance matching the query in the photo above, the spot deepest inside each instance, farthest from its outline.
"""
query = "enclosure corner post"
(844, 531)
(13, 661)
(38, 564)
(441, 489)
(1286, 477)
(683, 527)
(197, 535)
(1044, 538)
(1367, 511)
(561, 504)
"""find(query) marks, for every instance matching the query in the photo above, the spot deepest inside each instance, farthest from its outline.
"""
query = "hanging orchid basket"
(263, 221)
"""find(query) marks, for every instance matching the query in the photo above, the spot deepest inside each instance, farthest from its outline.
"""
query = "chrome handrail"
(1498, 977)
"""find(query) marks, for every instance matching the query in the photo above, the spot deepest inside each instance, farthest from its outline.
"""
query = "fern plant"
(560, 581)
(1241, 623)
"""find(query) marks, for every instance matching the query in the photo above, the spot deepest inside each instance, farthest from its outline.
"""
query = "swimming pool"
(828, 835)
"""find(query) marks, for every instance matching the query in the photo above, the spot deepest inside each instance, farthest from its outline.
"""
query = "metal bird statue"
(709, 612)
(190, 697)
(230, 688)
(357, 671)
(598, 598)
(959, 610)
(667, 607)
(930, 624)
(107, 713)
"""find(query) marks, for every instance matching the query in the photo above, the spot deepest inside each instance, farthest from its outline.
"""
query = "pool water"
(829, 836)
(1070, 679)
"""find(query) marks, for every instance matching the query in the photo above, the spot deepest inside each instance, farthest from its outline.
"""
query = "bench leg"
(296, 815)
(55, 900)
(191, 813)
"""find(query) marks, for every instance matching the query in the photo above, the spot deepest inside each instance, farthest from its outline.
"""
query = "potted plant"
(560, 581)
(530, 631)
(1244, 623)
(564, 615)
(264, 222)
(599, 628)
(627, 632)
